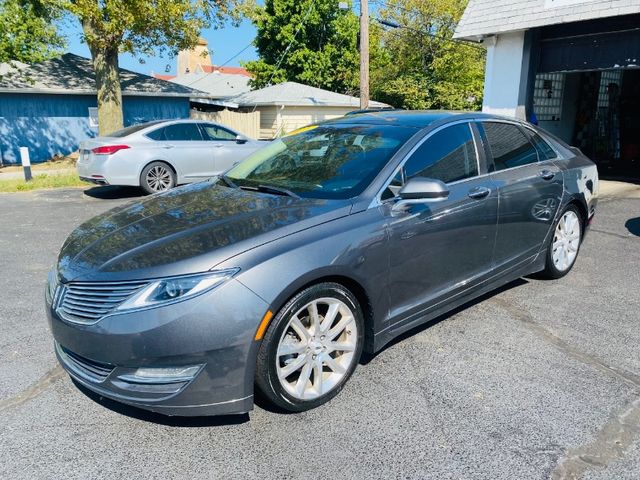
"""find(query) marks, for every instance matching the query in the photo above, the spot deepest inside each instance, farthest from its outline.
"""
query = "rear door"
(530, 188)
(440, 248)
(226, 150)
(184, 146)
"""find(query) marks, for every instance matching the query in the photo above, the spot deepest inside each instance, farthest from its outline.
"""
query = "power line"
(284, 54)
(295, 35)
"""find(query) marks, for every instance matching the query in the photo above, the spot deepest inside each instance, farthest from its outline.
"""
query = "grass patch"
(58, 164)
(61, 180)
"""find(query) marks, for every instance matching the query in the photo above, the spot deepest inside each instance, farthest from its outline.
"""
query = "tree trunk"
(105, 65)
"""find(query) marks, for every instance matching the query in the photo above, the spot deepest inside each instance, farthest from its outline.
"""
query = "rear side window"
(508, 145)
(448, 155)
(125, 132)
(177, 132)
(544, 149)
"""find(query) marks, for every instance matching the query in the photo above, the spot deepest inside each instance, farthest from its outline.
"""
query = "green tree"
(308, 41)
(426, 69)
(27, 31)
(139, 27)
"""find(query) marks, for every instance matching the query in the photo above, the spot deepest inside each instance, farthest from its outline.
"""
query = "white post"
(26, 163)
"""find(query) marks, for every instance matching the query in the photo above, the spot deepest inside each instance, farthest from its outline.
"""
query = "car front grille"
(88, 302)
(85, 368)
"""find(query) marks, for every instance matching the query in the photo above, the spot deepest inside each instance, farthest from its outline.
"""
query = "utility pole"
(364, 54)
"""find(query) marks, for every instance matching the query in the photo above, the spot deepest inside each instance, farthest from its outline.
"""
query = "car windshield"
(132, 129)
(326, 161)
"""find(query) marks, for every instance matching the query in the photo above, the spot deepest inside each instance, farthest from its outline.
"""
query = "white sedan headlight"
(175, 289)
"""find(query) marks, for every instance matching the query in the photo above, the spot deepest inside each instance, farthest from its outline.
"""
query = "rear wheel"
(157, 177)
(565, 245)
(311, 348)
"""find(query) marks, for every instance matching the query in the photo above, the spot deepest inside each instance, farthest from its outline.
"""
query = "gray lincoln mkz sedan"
(327, 242)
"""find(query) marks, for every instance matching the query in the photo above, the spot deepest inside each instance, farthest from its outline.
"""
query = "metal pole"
(364, 54)
(26, 163)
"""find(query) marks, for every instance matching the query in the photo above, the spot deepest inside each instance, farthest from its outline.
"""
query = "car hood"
(186, 230)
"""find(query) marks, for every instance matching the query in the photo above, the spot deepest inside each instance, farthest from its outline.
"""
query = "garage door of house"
(587, 89)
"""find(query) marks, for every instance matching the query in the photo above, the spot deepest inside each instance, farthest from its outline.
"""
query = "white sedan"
(159, 155)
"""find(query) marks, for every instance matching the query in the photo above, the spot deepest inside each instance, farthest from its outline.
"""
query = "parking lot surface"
(539, 380)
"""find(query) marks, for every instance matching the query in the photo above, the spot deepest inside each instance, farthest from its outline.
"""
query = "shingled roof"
(73, 75)
(487, 17)
(299, 95)
(216, 85)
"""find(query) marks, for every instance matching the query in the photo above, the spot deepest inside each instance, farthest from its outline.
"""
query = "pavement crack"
(612, 234)
(527, 320)
(616, 435)
(610, 444)
(34, 390)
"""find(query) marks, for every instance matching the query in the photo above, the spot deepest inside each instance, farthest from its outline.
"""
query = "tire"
(157, 177)
(564, 247)
(293, 351)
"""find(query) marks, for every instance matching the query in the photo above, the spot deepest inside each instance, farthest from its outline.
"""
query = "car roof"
(400, 118)
(413, 118)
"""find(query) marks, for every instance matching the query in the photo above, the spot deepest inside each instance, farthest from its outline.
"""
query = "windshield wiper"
(227, 181)
(277, 190)
(270, 189)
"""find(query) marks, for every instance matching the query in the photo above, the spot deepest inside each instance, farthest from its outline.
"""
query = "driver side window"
(448, 155)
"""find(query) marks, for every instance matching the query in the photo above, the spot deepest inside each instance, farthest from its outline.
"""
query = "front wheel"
(157, 177)
(311, 348)
(565, 245)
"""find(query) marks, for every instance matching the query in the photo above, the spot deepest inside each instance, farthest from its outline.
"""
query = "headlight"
(52, 285)
(176, 289)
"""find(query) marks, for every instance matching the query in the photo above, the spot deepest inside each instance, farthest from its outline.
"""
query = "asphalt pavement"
(539, 380)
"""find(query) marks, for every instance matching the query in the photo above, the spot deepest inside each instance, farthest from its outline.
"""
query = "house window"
(547, 96)
(93, 117)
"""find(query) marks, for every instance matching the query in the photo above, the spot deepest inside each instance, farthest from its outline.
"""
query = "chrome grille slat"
(99, 294)
(79, 303)
(107, 288)
(88, 302)
(89, 311)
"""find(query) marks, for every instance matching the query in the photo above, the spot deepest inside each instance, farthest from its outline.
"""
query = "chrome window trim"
(377, 199)
(528, 127)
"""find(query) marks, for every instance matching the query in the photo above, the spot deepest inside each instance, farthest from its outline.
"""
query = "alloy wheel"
(159, 178)
(566, 241)
(317, 348)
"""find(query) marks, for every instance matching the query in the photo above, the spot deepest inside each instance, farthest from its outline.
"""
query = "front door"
(438, 249)
(530, 187)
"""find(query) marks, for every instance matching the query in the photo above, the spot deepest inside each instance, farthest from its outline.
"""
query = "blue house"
(51, 106)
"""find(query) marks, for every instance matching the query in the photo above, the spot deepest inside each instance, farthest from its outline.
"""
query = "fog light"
(162, 375)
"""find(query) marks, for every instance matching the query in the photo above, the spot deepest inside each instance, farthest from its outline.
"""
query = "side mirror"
(241, 139)
(420, 188)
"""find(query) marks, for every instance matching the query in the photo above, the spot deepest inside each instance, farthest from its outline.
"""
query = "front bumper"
(214, 330)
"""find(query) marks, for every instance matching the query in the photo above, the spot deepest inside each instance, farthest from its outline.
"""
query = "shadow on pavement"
(366, 358)
(112, 192)
(633, 225)
(152, 417)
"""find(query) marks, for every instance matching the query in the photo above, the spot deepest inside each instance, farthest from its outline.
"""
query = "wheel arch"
(355, 286)
(581, 206)
(161, 160)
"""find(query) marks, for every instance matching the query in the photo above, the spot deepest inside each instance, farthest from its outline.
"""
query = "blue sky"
(224, 44)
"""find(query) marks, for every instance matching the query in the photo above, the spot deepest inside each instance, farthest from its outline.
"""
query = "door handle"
(167, 146)
(546, 174)
(479, 192)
